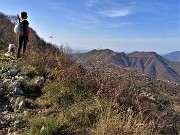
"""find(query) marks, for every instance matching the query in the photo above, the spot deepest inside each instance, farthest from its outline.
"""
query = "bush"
(83, 115)
(50, 127)
(29, 72)
(100, 117)
(114, 120)
(31, 89)
(20, 124)
(56, 92)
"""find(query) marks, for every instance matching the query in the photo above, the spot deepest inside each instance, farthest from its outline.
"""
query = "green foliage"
(3, 50)
(50, 127)
(31, 89)
(56, 92)
(20, 124)
(30, 103)
(83, 115)
(29, 72)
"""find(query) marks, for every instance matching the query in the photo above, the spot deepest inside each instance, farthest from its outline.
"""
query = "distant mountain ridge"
(173, 56)
(149, 63)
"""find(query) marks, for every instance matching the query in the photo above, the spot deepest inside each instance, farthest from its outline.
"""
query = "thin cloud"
(91, 3)
(56, 5)
(120, 24)
(156, 7)
(133, 3)
(116, 13)
(82, 19)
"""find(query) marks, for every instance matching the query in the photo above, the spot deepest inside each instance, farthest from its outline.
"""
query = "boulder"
(21, 105)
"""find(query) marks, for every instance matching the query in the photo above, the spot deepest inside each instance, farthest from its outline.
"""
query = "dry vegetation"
(103, 99)
(97, 99)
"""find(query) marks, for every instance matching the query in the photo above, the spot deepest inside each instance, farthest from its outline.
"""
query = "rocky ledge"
(13, 99)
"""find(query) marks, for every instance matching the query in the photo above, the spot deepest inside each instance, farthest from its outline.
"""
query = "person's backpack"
(18, 29)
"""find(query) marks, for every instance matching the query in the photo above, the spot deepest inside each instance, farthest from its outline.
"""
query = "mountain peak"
(143, 54)
(149, 63)
(106, 51)
(173, 56)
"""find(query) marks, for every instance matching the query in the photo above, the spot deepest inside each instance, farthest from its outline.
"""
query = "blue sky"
(120, 25)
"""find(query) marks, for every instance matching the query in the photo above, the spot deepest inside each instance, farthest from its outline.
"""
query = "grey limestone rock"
(21, 105)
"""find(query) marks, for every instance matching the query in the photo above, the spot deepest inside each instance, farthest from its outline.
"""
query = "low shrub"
(56, 92)
(29, 72)
(103, 117)
(50, 126)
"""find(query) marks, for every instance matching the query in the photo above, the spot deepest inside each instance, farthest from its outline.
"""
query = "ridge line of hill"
(149, 63)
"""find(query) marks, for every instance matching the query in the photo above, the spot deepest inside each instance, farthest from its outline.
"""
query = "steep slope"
(149, 63)
(173, 56)
(7, 35)
(152, 64)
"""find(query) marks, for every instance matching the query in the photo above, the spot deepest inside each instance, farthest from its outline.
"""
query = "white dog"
(12, 49)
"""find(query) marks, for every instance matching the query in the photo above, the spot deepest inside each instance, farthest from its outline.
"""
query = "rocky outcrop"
(13, 98)
(10, 91)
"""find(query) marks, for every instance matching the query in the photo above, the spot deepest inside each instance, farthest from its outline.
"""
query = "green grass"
(20, 124)
(50, 126)
(57, 93)
(29, 72)
(97, 117)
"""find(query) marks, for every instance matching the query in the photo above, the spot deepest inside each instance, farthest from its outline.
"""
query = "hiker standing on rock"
(23, 37)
